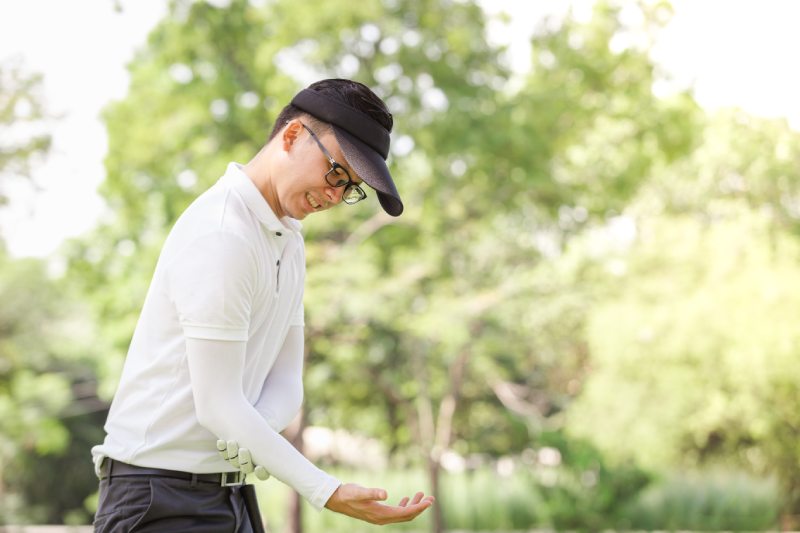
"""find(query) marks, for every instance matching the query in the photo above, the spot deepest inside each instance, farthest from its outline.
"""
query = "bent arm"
(216, 369)
(282, 395)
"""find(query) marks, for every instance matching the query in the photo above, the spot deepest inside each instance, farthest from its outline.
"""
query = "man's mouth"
(312, 201)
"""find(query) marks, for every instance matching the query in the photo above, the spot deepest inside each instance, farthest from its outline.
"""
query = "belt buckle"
(238, 479)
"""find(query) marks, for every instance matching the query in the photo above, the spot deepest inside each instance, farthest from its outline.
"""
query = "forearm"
(216, 370)
(238, 420)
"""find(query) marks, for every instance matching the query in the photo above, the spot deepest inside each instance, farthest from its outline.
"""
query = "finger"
(261, 473)
(233, 453)
(415, 509)
(98, 465)
(403, 502)
(417, 498)
(221, 445)
(222, 448)
(245, 461)
(404, 513)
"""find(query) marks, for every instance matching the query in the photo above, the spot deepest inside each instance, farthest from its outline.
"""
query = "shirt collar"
(252, 197)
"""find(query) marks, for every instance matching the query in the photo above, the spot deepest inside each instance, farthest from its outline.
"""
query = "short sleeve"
(212, 283)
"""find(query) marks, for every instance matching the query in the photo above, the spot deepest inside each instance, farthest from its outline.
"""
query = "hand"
(98, 465)
(362, 503)
(240, 458)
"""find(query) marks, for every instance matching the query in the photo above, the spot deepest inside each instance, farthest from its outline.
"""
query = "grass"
(482, 500)
(712, 501)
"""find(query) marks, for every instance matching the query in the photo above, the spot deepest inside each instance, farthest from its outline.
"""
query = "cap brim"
(370, 167)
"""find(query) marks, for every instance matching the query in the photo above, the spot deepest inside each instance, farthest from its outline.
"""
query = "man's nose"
(334, 194)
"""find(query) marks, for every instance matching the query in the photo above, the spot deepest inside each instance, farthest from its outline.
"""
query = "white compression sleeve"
(216, 369)
(282, 395)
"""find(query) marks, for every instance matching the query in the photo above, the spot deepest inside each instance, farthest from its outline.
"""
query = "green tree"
(692, 343)
(46, 395)
(46, 378)
(21, 117)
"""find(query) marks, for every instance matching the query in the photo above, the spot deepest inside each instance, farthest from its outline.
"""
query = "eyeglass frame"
(348, 185)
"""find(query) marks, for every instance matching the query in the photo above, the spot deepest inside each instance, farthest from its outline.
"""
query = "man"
(218, 349)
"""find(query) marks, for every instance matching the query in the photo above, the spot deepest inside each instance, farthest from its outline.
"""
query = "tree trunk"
(294, 511)
(435, 433)
(294, 434)
(790, 514)
(295, 522)
(434, 469)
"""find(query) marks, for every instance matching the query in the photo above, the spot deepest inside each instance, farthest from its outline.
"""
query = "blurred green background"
(585, 319)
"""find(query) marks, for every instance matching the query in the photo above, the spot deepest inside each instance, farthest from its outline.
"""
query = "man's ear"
(290, 134)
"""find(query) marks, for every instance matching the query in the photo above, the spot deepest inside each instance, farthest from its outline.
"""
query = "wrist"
(333, 499)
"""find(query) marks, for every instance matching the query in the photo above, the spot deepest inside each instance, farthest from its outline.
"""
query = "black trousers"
(161, 504)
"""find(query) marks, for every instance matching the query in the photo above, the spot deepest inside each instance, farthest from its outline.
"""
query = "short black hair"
(355, 94)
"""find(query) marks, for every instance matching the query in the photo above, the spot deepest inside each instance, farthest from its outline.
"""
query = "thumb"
(261, 473)
(374, 494)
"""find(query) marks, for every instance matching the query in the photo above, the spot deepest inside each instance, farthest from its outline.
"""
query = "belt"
(111, 468)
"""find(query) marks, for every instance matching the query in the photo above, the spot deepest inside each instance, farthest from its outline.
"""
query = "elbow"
(213, 415)
(293, 405)
(298, 400)
(206, 415)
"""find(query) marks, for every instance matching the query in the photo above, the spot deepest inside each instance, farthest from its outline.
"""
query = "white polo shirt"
(229, 270)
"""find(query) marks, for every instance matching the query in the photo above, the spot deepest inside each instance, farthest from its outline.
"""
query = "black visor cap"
(364, 143)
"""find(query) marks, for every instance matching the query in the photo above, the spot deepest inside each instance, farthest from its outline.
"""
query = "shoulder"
(217, 251)
(219, 206)
(218, 216)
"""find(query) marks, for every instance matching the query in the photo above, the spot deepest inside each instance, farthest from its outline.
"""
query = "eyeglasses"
(338, 176)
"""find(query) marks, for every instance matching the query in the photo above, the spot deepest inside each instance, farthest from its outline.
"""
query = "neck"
(258, 170)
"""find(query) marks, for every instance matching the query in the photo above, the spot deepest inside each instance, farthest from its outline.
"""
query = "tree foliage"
(21, 115)
(693, 344)
(46, 397)
(46, 375)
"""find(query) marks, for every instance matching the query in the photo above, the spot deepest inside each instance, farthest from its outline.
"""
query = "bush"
(716, 500)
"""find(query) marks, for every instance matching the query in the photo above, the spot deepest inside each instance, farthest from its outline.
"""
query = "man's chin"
(299, 215)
